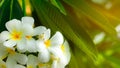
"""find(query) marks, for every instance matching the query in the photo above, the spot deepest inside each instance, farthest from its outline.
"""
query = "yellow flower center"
(16, 35)
(40, 65)
(47, 43)
(10, 51)
(55, 58)
(41, 36)
(43, 65)
(29, 66)
(3, 66)
(28, 37)
(63, 48)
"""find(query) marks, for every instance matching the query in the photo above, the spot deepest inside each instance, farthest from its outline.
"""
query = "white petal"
(47, 34)
(40, 45)
(20, 58)
(19, 66)
(63, 54)
(13, 25)
(60, 65)
(28, 23)
(5, 35)
(21, 46)
(32, 61)
(44, 54)
(44, 57)
(39, 30)
(9, 43)
(57, 64)
(57, 39)
(31, 46)
(67, 51)
(10, 63)
(57, 53)
(28, 20)
(54, 64)
(28, 29)
(3, 52)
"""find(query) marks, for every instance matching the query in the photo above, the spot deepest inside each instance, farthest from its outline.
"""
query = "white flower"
(48, 43)
(20, 34)
(5, 51)
(15, 34)
(28, 42)
(61, 56)
(12, 57)
(11, 63)
(32, 61)
(16, 60)
(21, 40)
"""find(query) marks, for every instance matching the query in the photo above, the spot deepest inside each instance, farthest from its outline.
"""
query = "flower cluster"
(26, 46)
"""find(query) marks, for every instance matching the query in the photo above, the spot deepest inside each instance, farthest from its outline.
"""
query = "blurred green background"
(92, 27)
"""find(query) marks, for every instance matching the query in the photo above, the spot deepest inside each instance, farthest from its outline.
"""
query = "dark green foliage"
(9, 9)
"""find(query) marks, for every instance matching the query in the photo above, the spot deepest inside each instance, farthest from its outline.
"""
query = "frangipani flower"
(29, 42)
(47, 43)
(15, 58)
(61, 56)
(20, 47)
(12, 57)
(20, 34)
(33, 62)
(5, 51)
(12, 63)
(14, 35)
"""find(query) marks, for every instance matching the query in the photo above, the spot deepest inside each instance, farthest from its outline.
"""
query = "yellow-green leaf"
(99, 19)
(57, 4)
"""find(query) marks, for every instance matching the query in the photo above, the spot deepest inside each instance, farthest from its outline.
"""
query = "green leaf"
(9, 9)
(24, 7)
(73, 62)
(113, 60)
(1, 2)
(100, 20)
(16, 11)
(51, 17)
(57, 4)
(4, 14)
